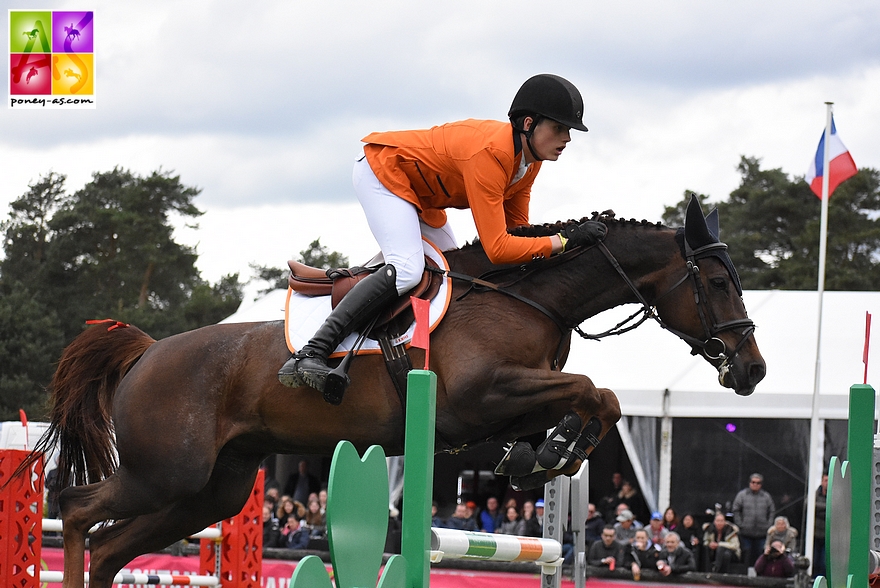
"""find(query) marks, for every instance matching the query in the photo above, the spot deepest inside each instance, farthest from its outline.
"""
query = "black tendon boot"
(309, 365)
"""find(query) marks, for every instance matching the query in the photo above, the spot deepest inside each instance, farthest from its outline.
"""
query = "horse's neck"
(648, 255)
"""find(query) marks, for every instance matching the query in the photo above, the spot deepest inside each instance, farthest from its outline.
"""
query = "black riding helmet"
(552, 97)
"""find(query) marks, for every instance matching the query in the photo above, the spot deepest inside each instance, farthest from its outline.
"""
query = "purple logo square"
(73, 32)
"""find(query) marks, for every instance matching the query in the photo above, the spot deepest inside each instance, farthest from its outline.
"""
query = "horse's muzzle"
(741, 376)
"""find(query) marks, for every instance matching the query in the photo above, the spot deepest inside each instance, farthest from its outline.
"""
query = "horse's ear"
(712, 224)
(696, 231)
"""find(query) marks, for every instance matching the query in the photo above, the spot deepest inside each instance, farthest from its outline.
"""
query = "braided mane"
(547, 229)
(608, 217)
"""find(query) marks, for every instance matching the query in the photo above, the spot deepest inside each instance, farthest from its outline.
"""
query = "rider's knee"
(409, 274)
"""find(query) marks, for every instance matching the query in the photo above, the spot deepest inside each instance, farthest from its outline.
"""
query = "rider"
(405, 179)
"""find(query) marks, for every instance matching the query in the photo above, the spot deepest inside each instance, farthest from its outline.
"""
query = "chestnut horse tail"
(82, 390)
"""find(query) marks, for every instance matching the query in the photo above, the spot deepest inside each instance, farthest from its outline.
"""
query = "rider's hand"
(586, 233)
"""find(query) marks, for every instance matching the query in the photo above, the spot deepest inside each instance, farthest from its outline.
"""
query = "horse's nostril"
(757, 371)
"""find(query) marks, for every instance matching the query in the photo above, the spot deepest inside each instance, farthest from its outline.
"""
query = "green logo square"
(30, 31)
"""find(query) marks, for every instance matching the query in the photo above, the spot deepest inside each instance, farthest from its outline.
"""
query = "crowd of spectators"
(616, 536)
(750, 535)
(295, 519)
(526, 521)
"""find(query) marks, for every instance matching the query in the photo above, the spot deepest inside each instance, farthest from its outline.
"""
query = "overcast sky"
(262, 104)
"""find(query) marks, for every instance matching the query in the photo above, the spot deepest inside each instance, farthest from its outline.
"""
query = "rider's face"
(549, 139)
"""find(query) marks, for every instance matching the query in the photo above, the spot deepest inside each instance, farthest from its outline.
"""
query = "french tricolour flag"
(841, 164)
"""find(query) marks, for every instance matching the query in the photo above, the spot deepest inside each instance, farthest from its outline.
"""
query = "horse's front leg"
(563, 452)
(589, 413)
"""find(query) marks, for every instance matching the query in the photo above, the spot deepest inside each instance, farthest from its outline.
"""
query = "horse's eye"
(718, 283)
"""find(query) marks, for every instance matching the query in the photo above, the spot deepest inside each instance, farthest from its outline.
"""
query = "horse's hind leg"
(121, 496)
(82, 507)
(224, 496)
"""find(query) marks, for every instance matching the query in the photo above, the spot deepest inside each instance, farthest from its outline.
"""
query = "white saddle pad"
(304, 315)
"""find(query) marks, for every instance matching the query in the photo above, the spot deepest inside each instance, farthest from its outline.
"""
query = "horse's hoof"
(530, 482)
(518, 461)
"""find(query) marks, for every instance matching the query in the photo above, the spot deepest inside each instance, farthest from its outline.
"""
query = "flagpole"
(817, 436)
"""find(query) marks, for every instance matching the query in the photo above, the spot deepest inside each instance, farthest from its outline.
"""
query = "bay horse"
(194, 415)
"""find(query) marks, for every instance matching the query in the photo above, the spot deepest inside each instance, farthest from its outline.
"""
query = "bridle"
(711, 346)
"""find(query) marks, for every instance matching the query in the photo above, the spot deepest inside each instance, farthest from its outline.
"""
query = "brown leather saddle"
(336, 283)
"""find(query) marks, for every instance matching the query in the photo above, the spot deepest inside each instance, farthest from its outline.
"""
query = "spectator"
(460, 519)
(492, 517)
(605, 553)
(593, 525)
(691, 536)
(272, 495)
(52, 492)
(624, 506)
(670, 520)
(782, 531)
(539, 512)
(753, 514)
(288, 508)
(721, 544)
(530, 517)
(302, 483)
(269, 481)
(656, 531)
(315, 521)
(775, 562)
(625, 527)
(436, 521)
(294, 535)
(271, 532)
(641, 555)
(676, 558)
(473, 512)
(629, 495)
(819, 531)
(608, 503)
(512, 524)
(322, 499)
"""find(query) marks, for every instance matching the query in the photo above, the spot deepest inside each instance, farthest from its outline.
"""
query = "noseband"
(711, 346)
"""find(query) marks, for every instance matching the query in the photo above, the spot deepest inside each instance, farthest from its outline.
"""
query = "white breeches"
(396, 226)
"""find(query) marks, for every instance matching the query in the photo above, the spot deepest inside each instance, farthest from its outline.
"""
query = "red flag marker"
(24, 424)
(422, 334)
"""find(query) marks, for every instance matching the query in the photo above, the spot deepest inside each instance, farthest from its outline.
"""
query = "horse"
(193, 415)
(72, 33)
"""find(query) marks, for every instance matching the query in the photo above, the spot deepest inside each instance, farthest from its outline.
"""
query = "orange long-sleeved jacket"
(466, 164)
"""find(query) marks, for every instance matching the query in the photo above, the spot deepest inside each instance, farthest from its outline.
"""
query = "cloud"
(263, 106)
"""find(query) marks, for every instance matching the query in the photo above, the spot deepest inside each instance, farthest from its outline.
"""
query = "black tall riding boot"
(309, 365)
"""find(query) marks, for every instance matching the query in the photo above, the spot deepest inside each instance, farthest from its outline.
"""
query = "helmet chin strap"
(532, 149)
(528, 133)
